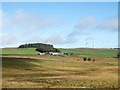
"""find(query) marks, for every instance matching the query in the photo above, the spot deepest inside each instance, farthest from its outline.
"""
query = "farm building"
(50, 53)
(54, 53)
(41, 53)
(68, 53)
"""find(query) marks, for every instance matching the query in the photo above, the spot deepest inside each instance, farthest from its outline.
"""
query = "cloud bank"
(81, 27)
(110, 23)
(7, 39)
(23, 19)
(31, 23)
(56, 39)
(85, 23)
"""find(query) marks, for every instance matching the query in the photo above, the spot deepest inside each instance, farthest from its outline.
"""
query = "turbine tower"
(86, 44)
(48, 42)
(93, 43)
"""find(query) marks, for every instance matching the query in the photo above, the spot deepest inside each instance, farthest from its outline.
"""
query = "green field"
(85, 52)
(23, 68)
(19, 52)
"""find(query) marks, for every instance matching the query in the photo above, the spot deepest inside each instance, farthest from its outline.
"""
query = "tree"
(34, 45)
(84, 58)
(118, 55)
(93, 59)
(89, 59)
(40, 47)
(47, 49)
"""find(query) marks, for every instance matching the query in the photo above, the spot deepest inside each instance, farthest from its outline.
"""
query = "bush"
(118, 55)
(84, 58)
(89, 59)
(93, 59)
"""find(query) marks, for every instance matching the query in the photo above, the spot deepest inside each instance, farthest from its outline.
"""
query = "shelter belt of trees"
(40, 47)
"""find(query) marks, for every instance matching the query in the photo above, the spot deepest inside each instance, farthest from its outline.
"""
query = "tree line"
(40, 47)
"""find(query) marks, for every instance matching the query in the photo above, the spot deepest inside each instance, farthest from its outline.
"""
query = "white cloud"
(7, 22)
(7, 39)
(19, 16)
(89, 38)
(110, 23)
(56, 39)
(85, 23)
(28, 32)
(48, 22)
(1, 13)
(59, 40)
(81, 27)
(77, 32)
(26, 20)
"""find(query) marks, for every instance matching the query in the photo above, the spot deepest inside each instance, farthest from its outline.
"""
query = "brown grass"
(60, 72)
(91, 49)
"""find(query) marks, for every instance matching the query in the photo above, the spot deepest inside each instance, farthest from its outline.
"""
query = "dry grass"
(59, 72)
(92, 49)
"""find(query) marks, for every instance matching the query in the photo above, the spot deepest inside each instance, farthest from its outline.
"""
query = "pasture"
(96, 53)
(23, 68)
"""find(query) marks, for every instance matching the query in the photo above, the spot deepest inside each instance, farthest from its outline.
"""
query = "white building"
(41, 53)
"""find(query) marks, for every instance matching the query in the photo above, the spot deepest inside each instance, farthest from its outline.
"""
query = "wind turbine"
(86, 44)
(93, 43)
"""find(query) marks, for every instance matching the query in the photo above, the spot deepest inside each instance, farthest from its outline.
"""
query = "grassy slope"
(62, 72)
(94, 53)
(85, 52)
(19, 52)
(59, 72)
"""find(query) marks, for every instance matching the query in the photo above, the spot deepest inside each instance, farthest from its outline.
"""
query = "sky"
(62, 24)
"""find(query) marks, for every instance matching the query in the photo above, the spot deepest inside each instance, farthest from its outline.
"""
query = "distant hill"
(90, 48)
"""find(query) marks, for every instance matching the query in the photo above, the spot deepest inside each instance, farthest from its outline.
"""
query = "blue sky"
(64, 25)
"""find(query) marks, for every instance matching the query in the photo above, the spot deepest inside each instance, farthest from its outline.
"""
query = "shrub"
(118, 55)
(84, 58)
(89, 59)
(93, 59)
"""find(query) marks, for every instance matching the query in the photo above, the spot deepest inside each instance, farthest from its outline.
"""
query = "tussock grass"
(59, 72)
(23, 68)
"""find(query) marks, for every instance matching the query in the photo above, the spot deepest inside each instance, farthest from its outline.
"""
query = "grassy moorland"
(20, 70)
